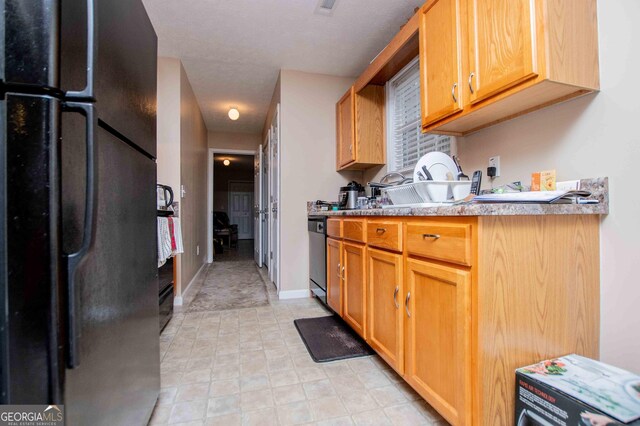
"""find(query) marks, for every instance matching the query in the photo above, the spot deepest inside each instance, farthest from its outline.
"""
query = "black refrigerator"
(78, 258)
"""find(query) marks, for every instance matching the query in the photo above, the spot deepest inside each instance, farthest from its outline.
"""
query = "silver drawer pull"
(381, 230)
(453, 92)
(343, 273)
(406, 304)
(395, 300)
(434, 236)
(471, 82)
(339, 276)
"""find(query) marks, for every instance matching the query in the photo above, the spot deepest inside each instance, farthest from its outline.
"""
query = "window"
(405, 141)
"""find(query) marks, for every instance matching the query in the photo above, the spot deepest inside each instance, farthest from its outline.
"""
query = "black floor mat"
(330, 339)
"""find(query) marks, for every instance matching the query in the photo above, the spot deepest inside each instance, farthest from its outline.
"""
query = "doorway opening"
(243, 211)
(233, 207)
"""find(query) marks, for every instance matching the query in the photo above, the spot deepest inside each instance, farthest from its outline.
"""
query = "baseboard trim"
(294, 294)
(178, 300)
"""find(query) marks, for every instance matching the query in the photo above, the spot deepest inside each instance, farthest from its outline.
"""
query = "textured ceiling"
(232, 50)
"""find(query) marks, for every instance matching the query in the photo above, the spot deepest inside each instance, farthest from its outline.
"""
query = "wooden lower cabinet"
(335, 274)
(385, 313)
(456, 304)
(438, 337)
(354, 286)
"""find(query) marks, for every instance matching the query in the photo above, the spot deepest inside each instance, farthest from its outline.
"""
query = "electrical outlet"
(495, 162)
(197, 250)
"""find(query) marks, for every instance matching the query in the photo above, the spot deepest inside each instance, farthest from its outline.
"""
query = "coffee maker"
(348, 196)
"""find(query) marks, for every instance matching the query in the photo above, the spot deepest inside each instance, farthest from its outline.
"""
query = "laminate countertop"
(599, 188)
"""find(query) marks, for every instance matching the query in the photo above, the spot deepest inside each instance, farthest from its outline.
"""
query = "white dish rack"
(437, 192)
(404, 194)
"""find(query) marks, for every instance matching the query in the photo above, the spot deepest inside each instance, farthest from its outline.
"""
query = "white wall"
(169, 121)
(182, 160)
(590, 137)
(193, 176)
(308, 163)
(238, 141)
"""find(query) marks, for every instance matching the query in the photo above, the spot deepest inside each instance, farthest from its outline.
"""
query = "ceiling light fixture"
(234, 114)
(226, 162)
(325, 7)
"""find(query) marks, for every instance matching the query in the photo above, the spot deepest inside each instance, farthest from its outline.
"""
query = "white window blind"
(406, 142)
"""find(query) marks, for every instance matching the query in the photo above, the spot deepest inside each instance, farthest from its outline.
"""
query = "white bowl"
(436, 191)
(460, 189)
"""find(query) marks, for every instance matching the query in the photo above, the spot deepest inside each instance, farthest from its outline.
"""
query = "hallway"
(231, 365)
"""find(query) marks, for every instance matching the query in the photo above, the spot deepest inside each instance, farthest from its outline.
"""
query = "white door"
(257, 207)
(274, 271)
(241, 209)
(265, 203)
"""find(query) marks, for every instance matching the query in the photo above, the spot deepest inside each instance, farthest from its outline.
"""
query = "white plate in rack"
(438, 164)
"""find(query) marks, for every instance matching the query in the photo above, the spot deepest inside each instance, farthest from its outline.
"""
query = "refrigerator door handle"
(87, 92)
(73, 260)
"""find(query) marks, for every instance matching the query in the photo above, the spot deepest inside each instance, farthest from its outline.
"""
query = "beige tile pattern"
(249, 367)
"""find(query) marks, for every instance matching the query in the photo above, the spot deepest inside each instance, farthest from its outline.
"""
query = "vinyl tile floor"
(250, 367)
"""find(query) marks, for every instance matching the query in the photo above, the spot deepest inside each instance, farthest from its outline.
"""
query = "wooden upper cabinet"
(345, 128)
(514, 57)
(502, 39)
(360, 141)
(440, 65)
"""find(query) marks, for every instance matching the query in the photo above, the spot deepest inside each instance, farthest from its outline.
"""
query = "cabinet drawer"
(386, 235)
(354, 229)
(334, 228)
(442, 241)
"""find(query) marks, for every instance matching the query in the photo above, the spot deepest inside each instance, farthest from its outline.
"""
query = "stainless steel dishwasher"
(317, 226)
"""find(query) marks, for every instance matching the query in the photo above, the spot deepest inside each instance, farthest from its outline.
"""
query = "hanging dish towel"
(164, 241)
(176, 236)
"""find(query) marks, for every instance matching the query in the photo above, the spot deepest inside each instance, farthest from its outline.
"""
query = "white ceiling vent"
(326, 7)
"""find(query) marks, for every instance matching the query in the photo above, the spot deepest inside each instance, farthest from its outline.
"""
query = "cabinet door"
(385, 291)
(502, 51)
(354, 291)
(334, 275)
(440, 59)
(345, 113)
(438, 338)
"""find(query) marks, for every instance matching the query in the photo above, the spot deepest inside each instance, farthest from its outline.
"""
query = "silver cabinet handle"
(471, 82)
(351, 149)
(395, 300)
(453, 92)
(339, 271)
(343, 273)
(434, 236)
(380, 230)
(406, 304)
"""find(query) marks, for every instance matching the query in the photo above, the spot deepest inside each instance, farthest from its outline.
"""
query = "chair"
(223, 228)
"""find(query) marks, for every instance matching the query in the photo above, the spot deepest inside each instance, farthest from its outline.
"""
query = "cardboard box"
(548, 180)
(576, 391)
